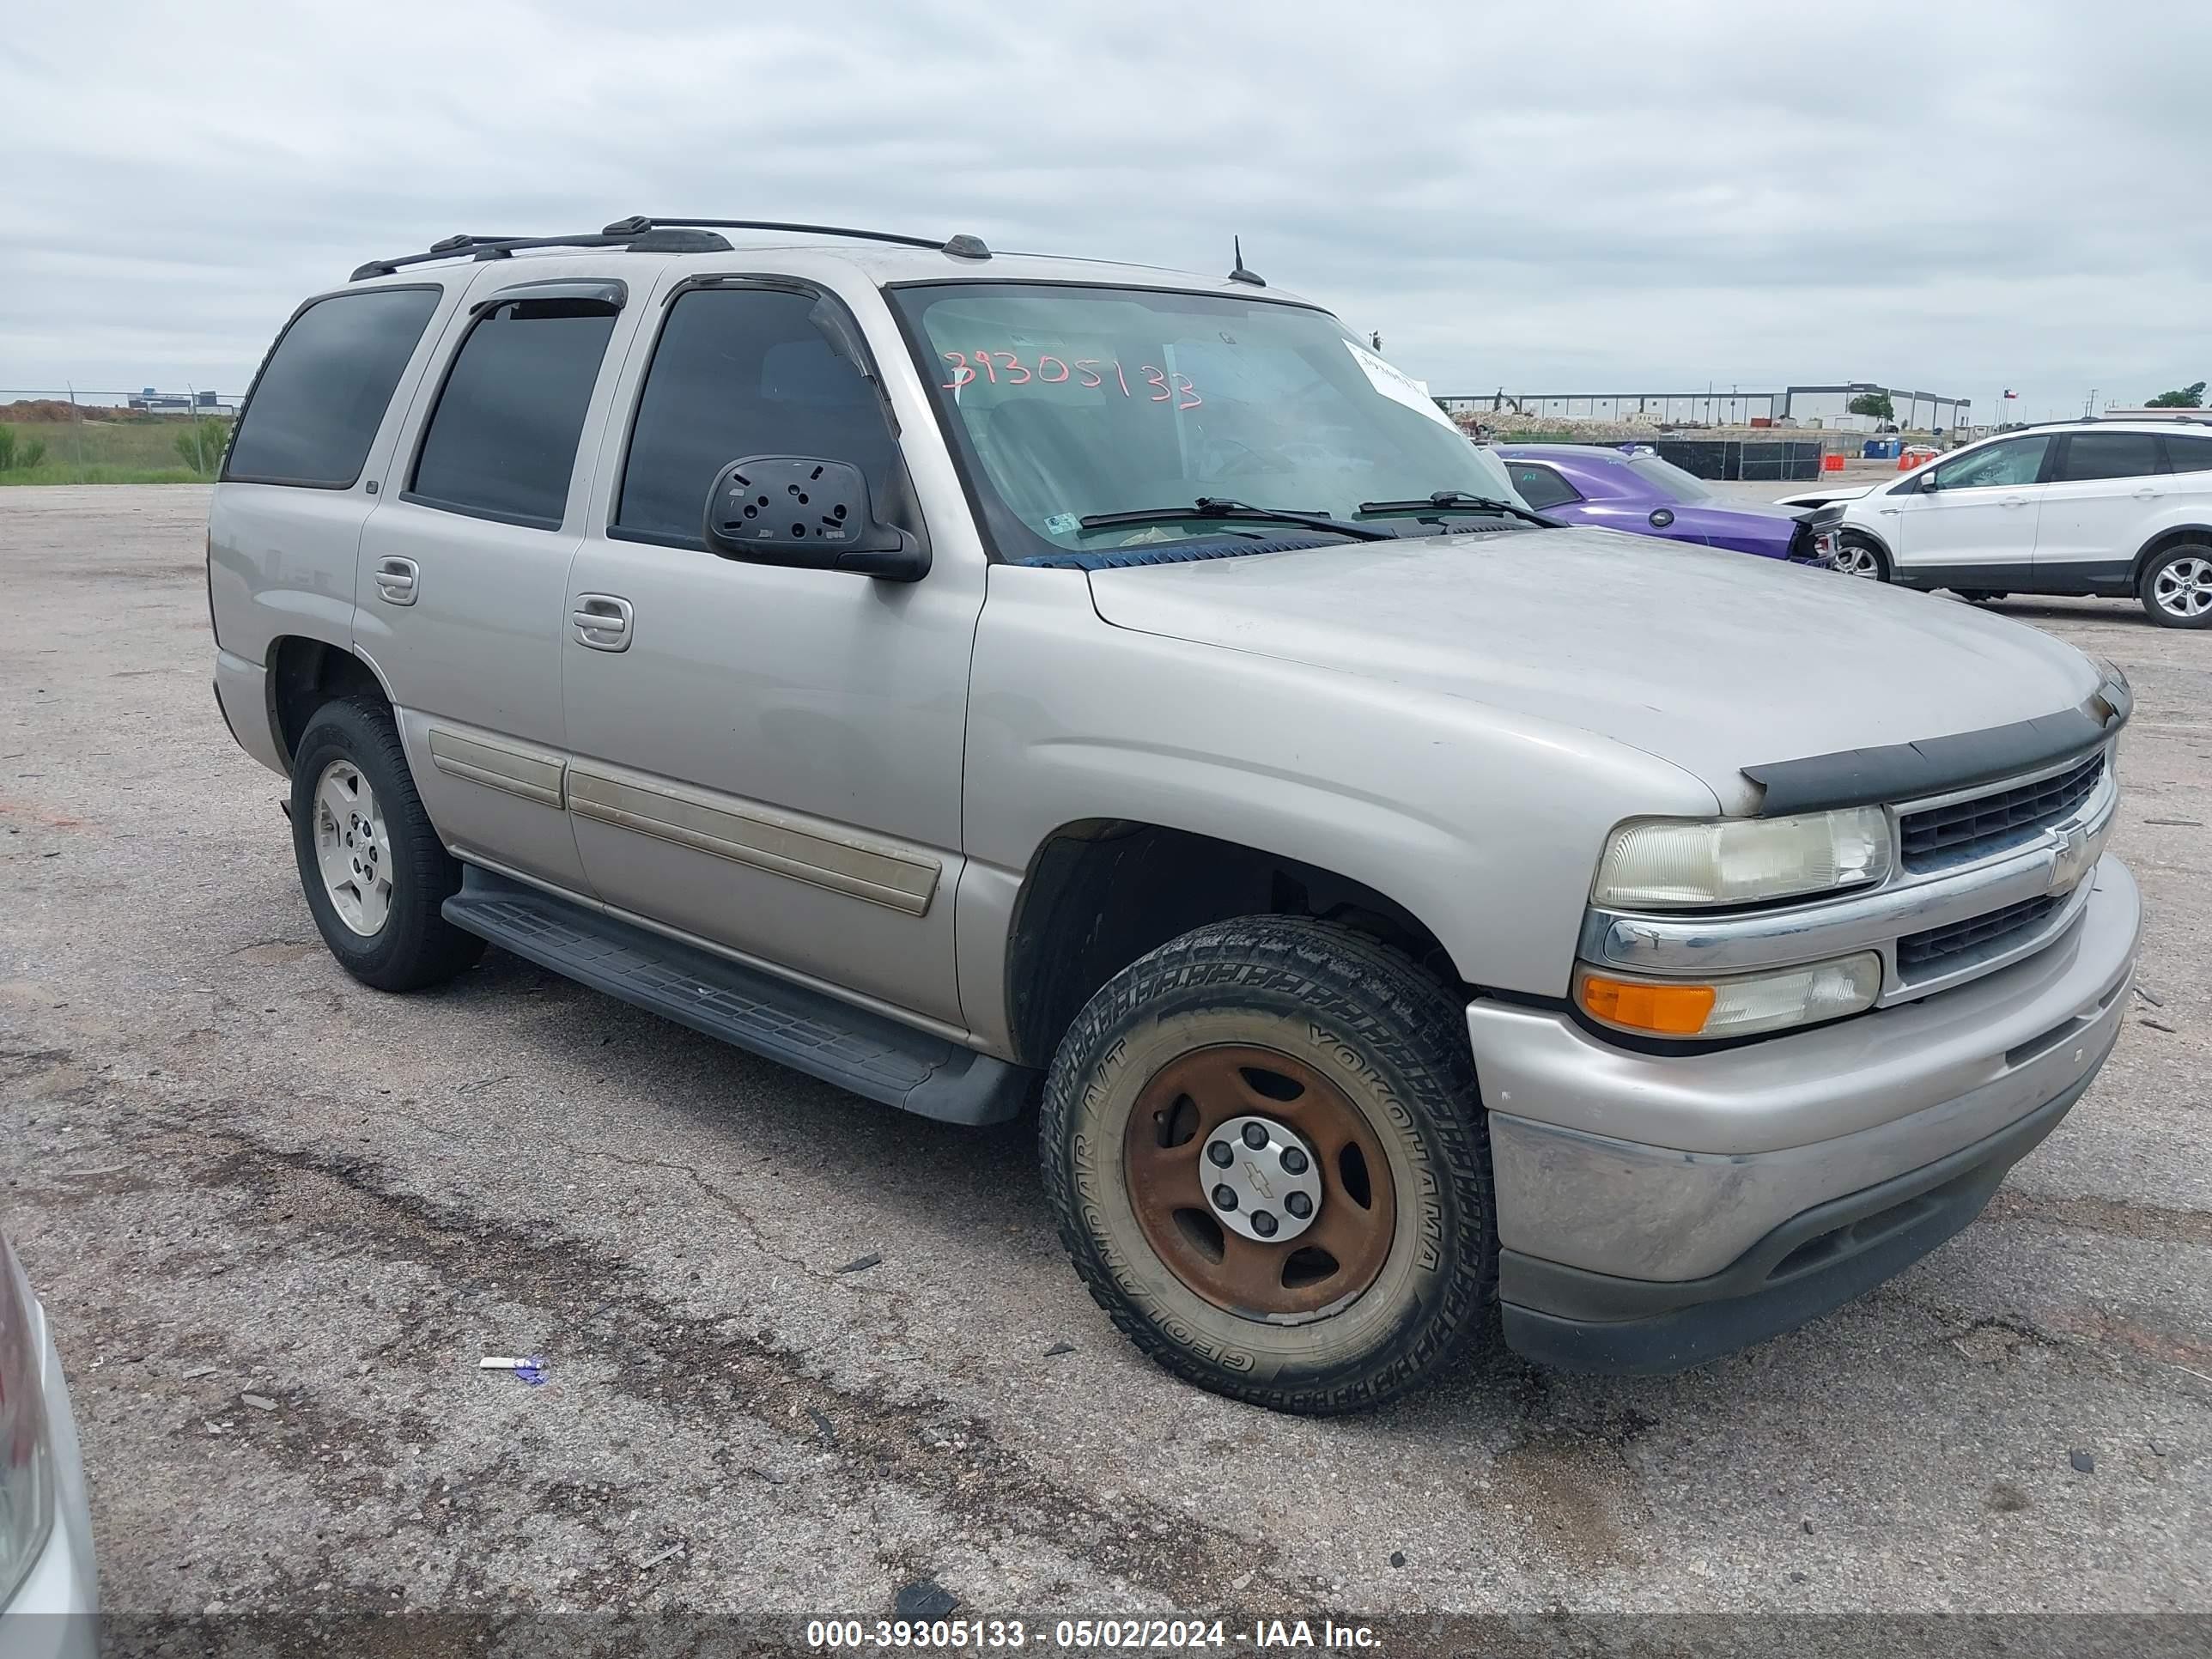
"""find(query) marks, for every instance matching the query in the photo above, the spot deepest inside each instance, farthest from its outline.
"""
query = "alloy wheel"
(1857, 559)
(351, 848)
(2184, 588)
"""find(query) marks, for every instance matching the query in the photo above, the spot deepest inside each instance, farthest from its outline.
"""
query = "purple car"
(1617, 489)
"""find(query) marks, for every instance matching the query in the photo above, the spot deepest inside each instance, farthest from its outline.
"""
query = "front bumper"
(1654, 1211)
(55, 1612)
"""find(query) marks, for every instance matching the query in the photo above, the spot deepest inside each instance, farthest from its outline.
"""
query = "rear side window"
(314, 410)
(2092, 455)
(503, 441)
(742, 372)
(1540, 487)
(2188, 452)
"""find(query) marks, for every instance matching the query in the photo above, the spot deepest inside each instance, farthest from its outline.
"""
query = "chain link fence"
(64, 435)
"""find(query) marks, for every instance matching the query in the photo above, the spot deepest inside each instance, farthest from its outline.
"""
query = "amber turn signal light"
(1662, 1009)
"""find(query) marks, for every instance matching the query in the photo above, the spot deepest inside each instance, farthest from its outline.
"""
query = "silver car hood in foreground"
(1713, 660)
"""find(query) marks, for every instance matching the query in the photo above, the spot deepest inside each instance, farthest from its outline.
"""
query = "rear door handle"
(396, 580)
(2015, 501)
(602, 621)
(2146, 495)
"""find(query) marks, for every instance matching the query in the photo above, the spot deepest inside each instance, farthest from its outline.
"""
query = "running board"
(803, 1029)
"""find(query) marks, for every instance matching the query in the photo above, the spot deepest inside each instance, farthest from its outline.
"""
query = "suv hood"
(1805, 498)
(1709, 659)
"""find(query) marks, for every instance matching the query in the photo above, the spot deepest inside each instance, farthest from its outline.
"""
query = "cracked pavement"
(230, 1170)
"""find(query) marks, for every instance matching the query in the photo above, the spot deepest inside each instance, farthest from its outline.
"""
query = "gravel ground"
(278, 1217)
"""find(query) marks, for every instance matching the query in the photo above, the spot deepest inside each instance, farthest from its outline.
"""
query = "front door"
(463, 568)
(2105, 486)
(768, 758)
(1974, 515)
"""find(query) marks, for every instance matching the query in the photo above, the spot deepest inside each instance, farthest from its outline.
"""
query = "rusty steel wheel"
(1267, 1156)
(1259, 1183)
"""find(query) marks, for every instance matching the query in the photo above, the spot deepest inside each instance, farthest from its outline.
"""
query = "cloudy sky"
(1566, 197)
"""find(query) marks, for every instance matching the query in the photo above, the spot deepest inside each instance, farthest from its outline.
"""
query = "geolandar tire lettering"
(373, 871)
(1267, 1156)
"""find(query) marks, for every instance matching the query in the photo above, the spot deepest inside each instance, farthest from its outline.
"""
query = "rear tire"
(2176, 589)
(1350, 1053)
(373, 870)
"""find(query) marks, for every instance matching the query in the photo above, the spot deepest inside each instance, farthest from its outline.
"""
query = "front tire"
(373, 870)
(1321, 1084)
(2176, 589)
(1857, 556)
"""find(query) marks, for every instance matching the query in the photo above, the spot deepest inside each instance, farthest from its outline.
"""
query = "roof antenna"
(1240, 275)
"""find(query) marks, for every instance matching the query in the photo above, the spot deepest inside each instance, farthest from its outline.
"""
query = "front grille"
(1940, 836)
(1946, 948)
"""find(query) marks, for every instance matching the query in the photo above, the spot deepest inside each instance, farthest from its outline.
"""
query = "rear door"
(2105, 486)
(303, 471)
(464, 567)
(1973, 517)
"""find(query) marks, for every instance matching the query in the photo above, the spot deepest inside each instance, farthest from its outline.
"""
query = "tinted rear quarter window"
(741, 372)
(1540, 487)
(502, 442)
(2189, 452)
(314, 410)
(2092, 455)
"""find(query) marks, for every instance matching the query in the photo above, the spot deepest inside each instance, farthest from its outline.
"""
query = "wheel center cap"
(1262, 1179)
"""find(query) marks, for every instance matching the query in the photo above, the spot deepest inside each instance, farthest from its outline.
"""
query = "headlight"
(1740, 1006)
(1668, 864)
(26, 1490)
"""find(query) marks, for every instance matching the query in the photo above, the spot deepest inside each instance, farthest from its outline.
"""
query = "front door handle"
(602, 621)
(2015, 501)
(396, 580)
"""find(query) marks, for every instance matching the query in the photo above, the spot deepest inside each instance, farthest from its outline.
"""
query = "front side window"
(1067, 403)
(1540, 486)
(502, 442)
(2015, 462)
(314, 410)
(741, 372)
(2092, 455)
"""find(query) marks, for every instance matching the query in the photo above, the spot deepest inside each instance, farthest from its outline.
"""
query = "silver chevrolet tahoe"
(978, 678)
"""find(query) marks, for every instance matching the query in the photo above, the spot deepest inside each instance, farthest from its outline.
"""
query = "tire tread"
(1380, 999)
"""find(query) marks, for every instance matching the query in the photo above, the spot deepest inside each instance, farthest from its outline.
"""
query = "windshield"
(1678, 485)
(1066, 403)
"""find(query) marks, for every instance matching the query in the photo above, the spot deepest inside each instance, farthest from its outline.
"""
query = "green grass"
(108, 451)
(50, 474)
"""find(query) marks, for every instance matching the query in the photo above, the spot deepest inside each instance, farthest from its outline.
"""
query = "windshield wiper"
(1461, 499)
(1214, 506)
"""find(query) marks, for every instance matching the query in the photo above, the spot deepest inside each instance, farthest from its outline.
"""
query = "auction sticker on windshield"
(1396, 385)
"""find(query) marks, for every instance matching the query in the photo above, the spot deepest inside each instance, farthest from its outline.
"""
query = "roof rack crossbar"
(963, 246)
(655, 235)
(500, 247)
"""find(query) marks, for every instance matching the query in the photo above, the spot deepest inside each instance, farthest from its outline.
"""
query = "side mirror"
(807, 514)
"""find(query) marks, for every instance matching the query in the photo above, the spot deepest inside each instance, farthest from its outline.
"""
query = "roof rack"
(641, 234)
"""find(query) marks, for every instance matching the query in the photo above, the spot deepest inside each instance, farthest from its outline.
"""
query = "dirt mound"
(29, 412)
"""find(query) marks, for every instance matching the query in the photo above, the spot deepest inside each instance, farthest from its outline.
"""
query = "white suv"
(2115, 508)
